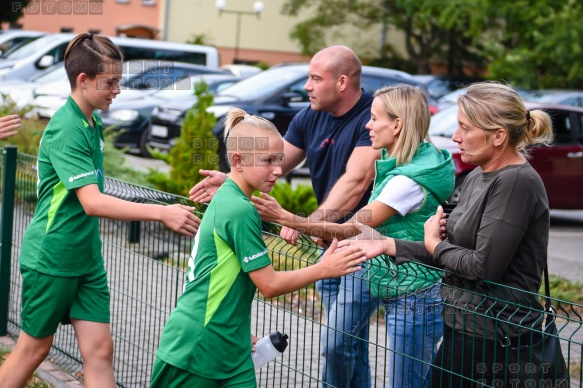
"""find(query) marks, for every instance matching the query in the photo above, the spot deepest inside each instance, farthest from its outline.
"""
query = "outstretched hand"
(269, 209)
(180, 219)
(369, 240)
(8, 126)
(204, 190)
(342, 262)
(289, 235)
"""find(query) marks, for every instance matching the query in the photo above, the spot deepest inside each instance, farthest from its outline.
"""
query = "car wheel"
(455, 195)
(143, 142)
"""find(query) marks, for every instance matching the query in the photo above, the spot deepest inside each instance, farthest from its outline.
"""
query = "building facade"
(240, 34)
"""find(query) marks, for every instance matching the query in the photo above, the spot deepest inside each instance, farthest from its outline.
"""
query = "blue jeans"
(414, 328)
(348, 305)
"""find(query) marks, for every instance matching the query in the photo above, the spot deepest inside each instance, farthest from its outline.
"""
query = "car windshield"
(551, 97)
(264, 83)
(444, 122)
(179, 89)
(29, 48)
(56, 73)
(451, 98)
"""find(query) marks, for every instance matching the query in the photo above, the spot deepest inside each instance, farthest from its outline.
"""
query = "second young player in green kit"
(61, 261)
(206, 341)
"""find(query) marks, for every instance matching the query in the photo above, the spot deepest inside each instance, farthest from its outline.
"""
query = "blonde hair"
(234, 127)
(237, 117)
(491, 105)
(90, 54)
(410, 105)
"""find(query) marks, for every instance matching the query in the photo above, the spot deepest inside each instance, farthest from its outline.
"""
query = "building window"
(148, 2)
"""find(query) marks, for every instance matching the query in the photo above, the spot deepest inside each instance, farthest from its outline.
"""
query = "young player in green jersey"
(61, 261)
(205, 342)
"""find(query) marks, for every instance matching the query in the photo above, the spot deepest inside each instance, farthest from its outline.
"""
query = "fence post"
(6, 224)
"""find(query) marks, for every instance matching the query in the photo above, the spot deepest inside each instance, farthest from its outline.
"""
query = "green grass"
(564, 289)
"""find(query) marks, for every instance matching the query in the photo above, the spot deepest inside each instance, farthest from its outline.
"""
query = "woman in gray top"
(498, 232)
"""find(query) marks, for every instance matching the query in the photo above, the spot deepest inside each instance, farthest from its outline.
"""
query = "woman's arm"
(374, 244)
(373, 215)
(493, 228)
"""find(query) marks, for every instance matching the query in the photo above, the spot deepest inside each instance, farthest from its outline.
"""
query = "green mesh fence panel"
(146, 261)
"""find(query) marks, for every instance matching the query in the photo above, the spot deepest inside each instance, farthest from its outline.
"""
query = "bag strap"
(504, 340)
(547, 288)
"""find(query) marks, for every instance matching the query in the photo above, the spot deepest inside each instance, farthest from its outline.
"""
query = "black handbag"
(538, 364)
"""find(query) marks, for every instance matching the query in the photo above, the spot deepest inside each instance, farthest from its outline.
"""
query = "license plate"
(159, 131)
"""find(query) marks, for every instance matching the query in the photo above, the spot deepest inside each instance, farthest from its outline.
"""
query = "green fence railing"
(145, 262)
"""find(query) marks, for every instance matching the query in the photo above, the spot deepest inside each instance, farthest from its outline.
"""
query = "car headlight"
(219, 110)
(124, 115)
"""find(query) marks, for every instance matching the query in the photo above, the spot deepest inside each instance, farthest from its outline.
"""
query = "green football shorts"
(165, 375)
(48, 300)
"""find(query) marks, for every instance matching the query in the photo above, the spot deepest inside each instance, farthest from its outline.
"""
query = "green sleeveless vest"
(434, 171)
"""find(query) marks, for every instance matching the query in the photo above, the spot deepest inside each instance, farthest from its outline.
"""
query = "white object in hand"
(268, 348)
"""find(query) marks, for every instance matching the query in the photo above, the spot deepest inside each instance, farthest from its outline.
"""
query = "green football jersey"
(62, 239)
(208, 333)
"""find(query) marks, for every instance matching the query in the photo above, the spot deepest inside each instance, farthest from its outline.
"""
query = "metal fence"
(145, 262)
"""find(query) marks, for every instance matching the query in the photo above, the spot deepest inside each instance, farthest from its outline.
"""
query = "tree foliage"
(11, 11)
(539, 43)
(428, 37)
(529, 43)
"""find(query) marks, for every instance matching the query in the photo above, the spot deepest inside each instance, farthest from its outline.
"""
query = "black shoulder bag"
(540, 362)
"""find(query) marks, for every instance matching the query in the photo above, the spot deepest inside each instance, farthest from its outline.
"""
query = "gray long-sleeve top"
(498, 232)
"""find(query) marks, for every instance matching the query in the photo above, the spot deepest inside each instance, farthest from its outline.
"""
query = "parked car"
(22, 91)
(440, 85)
(144, 75)
(276, 94)
(451, 98)
(49, 50)
(560, 97)
(10, 40)
(132, 115)
(560, 165)
(242, 71)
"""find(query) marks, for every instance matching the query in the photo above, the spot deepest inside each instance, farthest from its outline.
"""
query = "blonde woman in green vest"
(412, 179)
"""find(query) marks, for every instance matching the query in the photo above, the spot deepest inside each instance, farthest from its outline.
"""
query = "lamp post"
(257, 9)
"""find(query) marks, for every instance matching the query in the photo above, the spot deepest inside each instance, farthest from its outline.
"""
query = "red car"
(560, 165)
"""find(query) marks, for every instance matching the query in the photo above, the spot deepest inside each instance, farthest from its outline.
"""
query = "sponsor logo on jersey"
(79, 176)
(247, 259)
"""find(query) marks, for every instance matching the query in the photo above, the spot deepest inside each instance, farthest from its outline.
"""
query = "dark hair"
(90, 54)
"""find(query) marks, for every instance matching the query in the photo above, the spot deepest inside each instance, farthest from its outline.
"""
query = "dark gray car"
(276, 94)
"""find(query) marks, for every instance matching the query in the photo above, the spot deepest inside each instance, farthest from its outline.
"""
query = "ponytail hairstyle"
(410, 105)
(90, 54)
(237, 117)
(491, 105)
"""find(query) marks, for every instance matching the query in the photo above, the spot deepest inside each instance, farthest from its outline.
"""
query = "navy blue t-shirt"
(328, 142)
